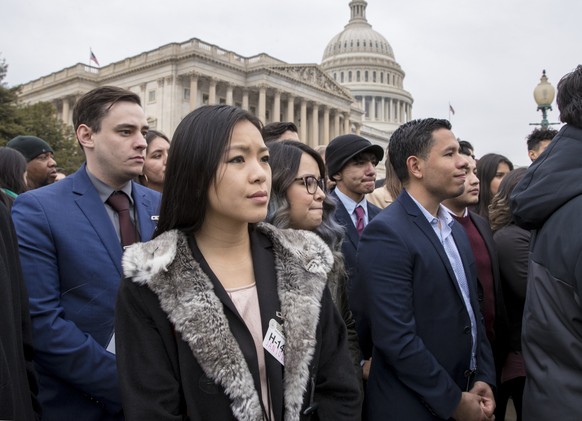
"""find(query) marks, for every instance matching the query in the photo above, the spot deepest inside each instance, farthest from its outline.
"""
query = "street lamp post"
(544, 94)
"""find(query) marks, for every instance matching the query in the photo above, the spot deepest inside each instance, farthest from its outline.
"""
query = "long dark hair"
(499, 211)
(195, 154)
(285, 158)
(12, 169)
(149, 137)
(486, 170)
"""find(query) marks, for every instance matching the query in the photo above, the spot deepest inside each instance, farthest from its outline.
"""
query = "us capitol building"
(357, 88)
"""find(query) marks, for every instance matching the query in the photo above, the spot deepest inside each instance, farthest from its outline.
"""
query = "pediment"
(313, 75)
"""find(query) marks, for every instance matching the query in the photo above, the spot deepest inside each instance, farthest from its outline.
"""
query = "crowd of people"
(236, 273)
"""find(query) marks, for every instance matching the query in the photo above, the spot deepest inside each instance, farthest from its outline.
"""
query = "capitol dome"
(358, 37)
(362, 60)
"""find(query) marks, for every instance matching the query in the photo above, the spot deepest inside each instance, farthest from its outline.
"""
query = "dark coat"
(356, 300)
(420, 325)
(184, 353)
(71, 260)
(513, 248)
(18, 384)
(500, 346)
(549, 200)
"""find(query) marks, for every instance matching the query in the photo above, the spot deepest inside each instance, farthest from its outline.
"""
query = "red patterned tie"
(119, 202)
(360, 220)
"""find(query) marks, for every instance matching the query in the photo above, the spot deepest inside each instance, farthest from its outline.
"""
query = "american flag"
(93, 58)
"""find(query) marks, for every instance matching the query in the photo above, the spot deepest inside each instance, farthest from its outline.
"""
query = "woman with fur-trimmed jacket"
(221, 318)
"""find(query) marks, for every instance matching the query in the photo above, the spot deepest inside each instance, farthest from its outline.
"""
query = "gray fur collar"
(302, 262)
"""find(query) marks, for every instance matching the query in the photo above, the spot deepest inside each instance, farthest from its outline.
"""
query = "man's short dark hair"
(539, 135)
(92, 107)
(465, 148)
(272, 131)
(569, 98)
(413, 139)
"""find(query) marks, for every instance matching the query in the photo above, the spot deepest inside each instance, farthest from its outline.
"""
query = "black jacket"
(18, 384)
(184, 353)
(512, 247)
(549, 201)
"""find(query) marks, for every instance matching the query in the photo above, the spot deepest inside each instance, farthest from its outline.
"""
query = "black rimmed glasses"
(312, 183)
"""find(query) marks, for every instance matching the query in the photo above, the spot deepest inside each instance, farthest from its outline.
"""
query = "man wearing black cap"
(41, 169)
(351, 163)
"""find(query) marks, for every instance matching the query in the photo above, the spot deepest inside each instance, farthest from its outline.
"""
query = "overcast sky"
(484, 57)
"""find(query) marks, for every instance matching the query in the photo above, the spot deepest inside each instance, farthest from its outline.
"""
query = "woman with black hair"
(491, 168)
(222, 317)
(154, 166)
(512, 244)
(299, 201)
(12, 174)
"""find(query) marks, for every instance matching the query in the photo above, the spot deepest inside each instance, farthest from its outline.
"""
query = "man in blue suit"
(431, 358)
(71, 246)
(351, 163)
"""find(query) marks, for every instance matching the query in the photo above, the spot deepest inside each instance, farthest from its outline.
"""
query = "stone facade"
(350, 92)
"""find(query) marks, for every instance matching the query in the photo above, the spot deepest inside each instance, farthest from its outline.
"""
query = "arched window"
(381, 77)
(366, 76)
(335, 76)
(374, 76)
(342, 77)
(350, 76)
(358, 76)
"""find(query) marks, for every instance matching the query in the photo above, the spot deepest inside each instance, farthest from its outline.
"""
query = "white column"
(347, 128)
(336, 124)
(262, 103)
(276, 106)
(66, 109)
(373, 109)
(383, 109)
(314, 125)
(290, 108)
(229, 96)
(193, 92)
(325, 125)
(212, 92)
(245, 100)
(303, 125)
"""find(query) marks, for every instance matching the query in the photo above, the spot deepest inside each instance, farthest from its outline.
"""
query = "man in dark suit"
(431, 359)
(70, 240)
(351, 163)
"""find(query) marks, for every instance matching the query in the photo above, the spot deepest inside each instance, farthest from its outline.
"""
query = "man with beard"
(41, 168)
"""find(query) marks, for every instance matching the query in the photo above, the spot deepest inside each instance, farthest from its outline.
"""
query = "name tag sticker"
(274, 341)
(155, 217)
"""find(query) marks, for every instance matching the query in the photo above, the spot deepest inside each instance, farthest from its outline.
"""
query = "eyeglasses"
(312, 183)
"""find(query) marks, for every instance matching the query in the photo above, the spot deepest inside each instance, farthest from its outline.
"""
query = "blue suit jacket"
(71, 259)
(420, 326)
(349, 251)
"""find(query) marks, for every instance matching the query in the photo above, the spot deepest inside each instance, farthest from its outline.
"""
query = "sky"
(482, 57)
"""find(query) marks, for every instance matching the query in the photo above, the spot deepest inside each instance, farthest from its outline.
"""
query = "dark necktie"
(119, 202)
(360, 220)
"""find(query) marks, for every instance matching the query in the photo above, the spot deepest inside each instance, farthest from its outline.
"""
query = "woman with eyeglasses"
(222, 316)
(299, 201)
